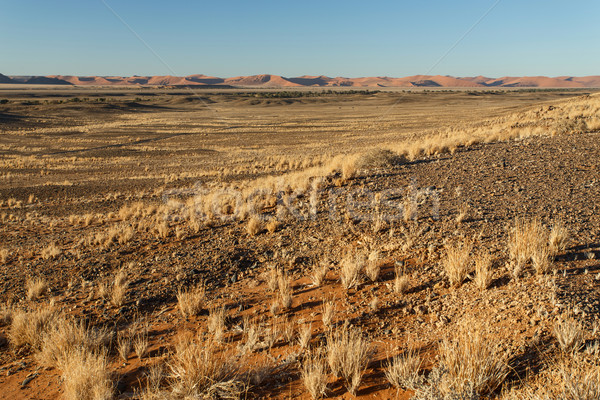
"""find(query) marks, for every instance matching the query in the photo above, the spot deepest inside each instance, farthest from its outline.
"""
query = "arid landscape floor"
(119, 207)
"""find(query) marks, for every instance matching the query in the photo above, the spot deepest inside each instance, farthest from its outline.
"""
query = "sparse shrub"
(319, 271)
(199, 370)
(528, 241)
(216, 322)
(304, 336)
(559, 238)
(401, 282)
(569, 334)
(314, 374)
(348, 356)
(190, 301)
(119, 289)
(483, 270)
(285, 291)
(373, 267)
(66, 336)
(36, 288)
(28, 328)
(350, 271)
(52, 251)
(472, 361)
(328, 312)
(85, 376)
(457, 262)
(4, 256)
(403, 370)
(254, 227)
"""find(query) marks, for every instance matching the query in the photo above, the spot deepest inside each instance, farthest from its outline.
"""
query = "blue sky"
(291, 38)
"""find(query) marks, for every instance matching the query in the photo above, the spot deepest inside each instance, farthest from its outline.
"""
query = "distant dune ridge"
(267, 80)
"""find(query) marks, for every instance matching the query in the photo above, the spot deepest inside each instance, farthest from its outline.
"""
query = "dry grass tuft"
(403, 371)
(254, 227)
(373, 267)
(559, 238)
(457, 263)
(317, 276)
(473, 362)
(65, 337)
(285, 291)
(86, 376)
(190, 301)
(328, 312)
(569, 334)
(140, 342)
(350, 271)
(28, 328)
(463, 213)
(199, 370)
(273, 278)
(124, 345)
(528, 241)
(483, 270)
(216, 322)
(272, 226)
(119, 289)
(6, 313)
(4, 254)
(348, 356)
(401, 281)
(304, 336)
(314, 374)
(36, 288)
(52, 251)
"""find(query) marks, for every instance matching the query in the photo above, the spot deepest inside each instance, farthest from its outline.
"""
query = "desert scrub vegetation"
(350, 271)
(472, 363)
(314, 373)
(36, 288)
(529, 241)
(318, 274)
(199, 369)
(457, 263)
(401, 280)
(569, 334)
(403, 371)
(483, 270)
(86, 376)
(28, 327)
(190, 301)
(119, 288)
(4, 254)
(52, 251)
(348, 353)
(65, 336)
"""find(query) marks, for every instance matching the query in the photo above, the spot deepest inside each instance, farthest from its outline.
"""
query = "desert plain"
(373, 243)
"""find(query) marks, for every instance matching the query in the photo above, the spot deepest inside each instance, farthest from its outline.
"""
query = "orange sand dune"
(267, 80)
(260, 80)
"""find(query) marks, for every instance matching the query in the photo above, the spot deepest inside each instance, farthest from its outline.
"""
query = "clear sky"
(291, 38)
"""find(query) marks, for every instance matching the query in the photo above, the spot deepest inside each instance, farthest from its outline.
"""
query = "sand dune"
(267, 80)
